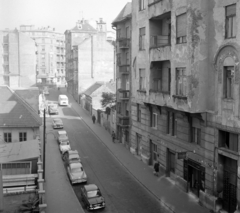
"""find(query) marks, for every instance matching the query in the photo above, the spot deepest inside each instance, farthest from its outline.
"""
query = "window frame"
(142, 5)
(228, 82)
(142, 79)
(142, 38)
(139, 113)
(22, 136)
(7, 136)
(171, 123)
(229, 19)
(182, 38)
(183, 79)
(227, 135)
(154, 120)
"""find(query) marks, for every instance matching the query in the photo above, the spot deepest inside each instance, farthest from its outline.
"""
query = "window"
(142, 5)
(231, 25)
(118, 33)
(155, 151)
(142, 38)
(181, 82)
(228, 140)
(228, 76)
(138, 113)
(127, 58)
(171, 123)
(181, 28)
(22, 136)
(142, 79)
(7, 137)
(195, 132)
(154, 121)
(128, 35)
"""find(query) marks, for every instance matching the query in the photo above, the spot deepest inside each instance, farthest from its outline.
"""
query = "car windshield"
(74, 159)
(94, 193)
(77, 169)
(63, 137)
(58, 121)
(64, 143)
(53, 106)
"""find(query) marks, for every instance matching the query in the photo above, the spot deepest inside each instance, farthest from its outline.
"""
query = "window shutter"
(231, 10)
(182, 25)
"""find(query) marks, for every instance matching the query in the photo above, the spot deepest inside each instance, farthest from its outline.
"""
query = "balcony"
(123, 94)
(124, 43)
(124, 69)
(158, 41)
(123, 121)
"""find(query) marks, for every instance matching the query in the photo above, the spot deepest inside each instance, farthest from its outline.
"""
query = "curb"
(161, 201)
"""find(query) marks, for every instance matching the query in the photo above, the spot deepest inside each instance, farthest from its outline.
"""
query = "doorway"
(153, 153)
(170, 162)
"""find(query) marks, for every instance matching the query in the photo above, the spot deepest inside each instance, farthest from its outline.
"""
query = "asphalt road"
(122, 193)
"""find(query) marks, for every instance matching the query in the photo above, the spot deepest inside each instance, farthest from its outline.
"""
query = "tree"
(108, 99)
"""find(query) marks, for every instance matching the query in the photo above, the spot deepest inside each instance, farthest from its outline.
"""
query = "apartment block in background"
(17, 59)
(50, 53)
(122, 24)
(185, 95)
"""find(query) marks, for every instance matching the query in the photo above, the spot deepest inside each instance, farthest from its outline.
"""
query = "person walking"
(113, 136)
(156, 168)
(93, 119)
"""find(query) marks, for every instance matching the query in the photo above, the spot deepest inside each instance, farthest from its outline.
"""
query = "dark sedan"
(92, 197)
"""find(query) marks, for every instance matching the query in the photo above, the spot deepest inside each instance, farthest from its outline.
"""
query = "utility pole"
(44, 141)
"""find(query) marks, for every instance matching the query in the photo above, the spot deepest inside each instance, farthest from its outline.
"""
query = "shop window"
(22, 136)
(228, 140)
(228, 77)
(231, 25)
(7, 137)
(142, 34)
(181, 28)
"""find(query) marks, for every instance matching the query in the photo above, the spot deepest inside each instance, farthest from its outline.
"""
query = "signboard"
(182, 155)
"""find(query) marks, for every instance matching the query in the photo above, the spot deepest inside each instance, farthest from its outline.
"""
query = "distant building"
(89, 56)
(50, 53)
(18, 59)
(122, 23)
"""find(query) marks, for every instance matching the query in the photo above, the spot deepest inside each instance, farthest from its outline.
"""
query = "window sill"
(179, 97)
(157, 91)
(228, 99)
(228, 152)
(142, 91)
(155, 2)
(181, 43)
(230, 37)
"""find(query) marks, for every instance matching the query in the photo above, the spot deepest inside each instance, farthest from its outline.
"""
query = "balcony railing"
(123, 121)
(160, 41)
(156, 86)
(124, 68)
(124, 94)
(124, 43)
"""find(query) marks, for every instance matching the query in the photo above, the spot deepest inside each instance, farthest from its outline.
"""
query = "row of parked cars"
(90, 193)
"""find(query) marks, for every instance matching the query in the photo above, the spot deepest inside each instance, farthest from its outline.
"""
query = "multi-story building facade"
(185, 94)
(90, 56)
(17, 59)
(122, 24)
(50, 53)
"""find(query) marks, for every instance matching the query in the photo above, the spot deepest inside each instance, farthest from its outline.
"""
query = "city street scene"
(120, 106)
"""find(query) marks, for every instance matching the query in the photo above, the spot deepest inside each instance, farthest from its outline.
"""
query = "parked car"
(57, 123)
(52, 108)
(76, 173)
(92, 197)
(64, 146)
(62, 136)
(45, 91)
(71, 156)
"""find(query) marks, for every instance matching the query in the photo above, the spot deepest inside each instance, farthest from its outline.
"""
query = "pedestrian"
(156, 168)
(93, 119)
(113, 136)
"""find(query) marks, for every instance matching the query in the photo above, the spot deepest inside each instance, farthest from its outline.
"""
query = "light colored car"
(52, 108)
(92, 197)
(64, 146)
(57, 123)
(76, 173)
(62, 136)
(71, 156)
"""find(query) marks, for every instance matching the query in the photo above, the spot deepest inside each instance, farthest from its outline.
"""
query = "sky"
(59, 14)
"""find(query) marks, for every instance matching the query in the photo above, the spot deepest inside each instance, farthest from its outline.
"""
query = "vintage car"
(92, 197)
(76, 173)
(52, 108)
(64, 146)
(71, 156)
(62, 136)
(57, 123)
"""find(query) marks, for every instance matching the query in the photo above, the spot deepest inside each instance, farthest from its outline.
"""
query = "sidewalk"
(172, 198)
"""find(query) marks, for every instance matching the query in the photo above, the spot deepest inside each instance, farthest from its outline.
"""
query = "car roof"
(90, 187)
(62, 132)
(74, 155)
(75, 165)
(57, 119)
(71, 152)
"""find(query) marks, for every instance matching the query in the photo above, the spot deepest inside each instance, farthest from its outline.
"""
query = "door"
(170, 162)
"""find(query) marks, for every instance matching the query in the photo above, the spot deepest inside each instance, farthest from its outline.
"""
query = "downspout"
(114, 58)
(92, 56)
(19, 67)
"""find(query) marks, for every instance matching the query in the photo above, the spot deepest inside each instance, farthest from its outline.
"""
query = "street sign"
(182, 155)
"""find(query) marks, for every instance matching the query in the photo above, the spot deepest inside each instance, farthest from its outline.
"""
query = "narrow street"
(120, 190)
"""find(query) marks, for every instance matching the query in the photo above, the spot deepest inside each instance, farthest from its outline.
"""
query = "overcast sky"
(61, 14)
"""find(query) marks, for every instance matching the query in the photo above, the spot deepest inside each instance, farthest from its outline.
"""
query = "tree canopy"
(108, 99)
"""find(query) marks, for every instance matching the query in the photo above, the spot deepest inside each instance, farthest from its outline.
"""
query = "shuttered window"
(231, 21)
(182, 28)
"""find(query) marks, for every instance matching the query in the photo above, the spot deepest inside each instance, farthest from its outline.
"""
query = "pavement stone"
(163, 188)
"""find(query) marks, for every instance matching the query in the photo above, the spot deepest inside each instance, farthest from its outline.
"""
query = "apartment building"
(17, 59)
(50, 53)
(90, 56)
(185, 94)
(122, 24)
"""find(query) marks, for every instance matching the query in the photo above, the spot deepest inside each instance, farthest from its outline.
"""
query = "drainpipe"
(114, 58)
(92, 56)
(19, 66)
